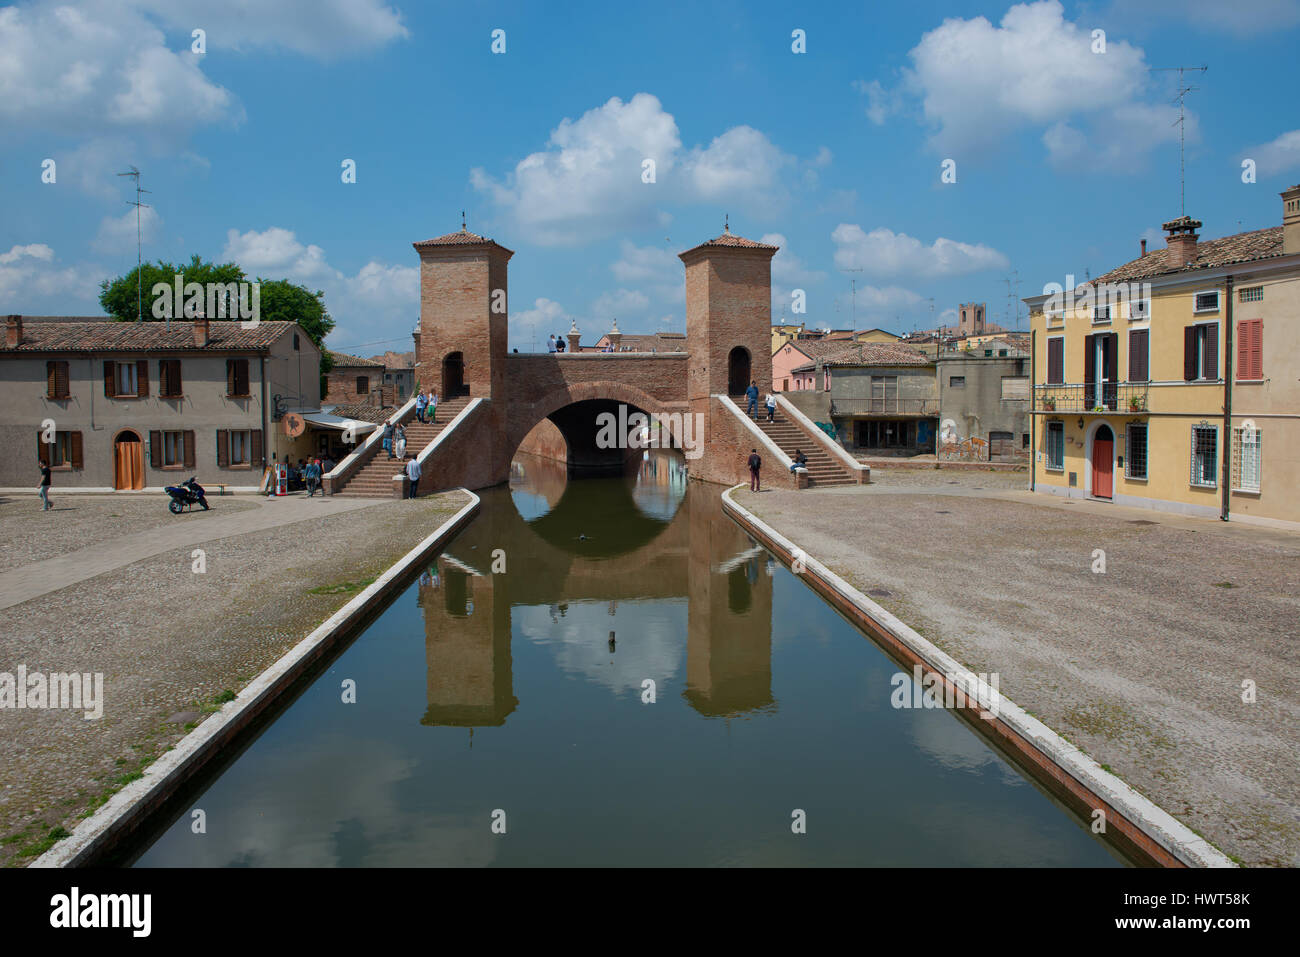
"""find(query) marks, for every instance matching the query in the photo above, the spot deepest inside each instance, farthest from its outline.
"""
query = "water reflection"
(609, 577)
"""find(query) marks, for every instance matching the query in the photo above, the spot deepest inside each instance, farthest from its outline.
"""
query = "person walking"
(312, 477)
(399, 442)
(421, 401)
(388, 438)
(413, 473)
(433, 406)
(752, 395)
(771, 406)
(44, 490)
(755, 463)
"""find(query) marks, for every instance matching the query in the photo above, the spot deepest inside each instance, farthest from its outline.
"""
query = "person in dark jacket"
(800, 460)
(44, 490)
(755, 463)
(752, 395)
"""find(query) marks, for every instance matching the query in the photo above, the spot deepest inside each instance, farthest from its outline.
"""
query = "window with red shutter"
(1055, 361)
(1250, 349)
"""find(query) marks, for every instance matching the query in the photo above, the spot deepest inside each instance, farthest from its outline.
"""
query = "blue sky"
(1064, 157)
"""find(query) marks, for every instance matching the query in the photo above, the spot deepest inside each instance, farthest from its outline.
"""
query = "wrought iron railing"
(885, 406)
(1091, 397)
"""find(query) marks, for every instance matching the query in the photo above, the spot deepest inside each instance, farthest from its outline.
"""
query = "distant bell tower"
(463, 327)
(728, 315)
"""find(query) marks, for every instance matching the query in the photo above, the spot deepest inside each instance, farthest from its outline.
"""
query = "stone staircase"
(823, 468)
(375, 478)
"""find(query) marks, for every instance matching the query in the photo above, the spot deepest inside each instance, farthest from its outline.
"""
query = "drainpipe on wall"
(1228, 335)
(1033, 419)
(266, 426)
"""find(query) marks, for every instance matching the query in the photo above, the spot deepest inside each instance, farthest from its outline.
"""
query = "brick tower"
(461, 345)
(728, 316)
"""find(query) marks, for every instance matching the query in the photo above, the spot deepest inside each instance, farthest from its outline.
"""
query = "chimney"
(573, 336)
(1291, 220)
(1180, 239)
(13, 332)
(200, 332)
(1144, 247)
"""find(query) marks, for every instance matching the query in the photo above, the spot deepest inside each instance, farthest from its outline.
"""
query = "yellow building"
(1173, 381)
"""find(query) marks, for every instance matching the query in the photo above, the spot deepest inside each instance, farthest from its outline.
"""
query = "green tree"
(117, 296)
(283, 301)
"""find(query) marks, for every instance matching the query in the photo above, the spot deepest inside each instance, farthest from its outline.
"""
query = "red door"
(1103, 448)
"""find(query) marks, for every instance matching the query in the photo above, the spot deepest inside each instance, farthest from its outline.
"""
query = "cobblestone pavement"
(169, 642)
(1142, 666)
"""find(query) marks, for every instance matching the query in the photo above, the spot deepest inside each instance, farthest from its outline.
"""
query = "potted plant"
(1135, 403)
(1049, 404)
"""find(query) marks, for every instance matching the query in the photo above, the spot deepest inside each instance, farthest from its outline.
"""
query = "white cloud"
(379, 301)
(587, 183)
(1212, 16)
(1123, 142)
(1277, 156)
(883, 252)
(317, 28)
(620, 302)
(117, 234)
(100, 68)
(786, 266)
(642, 263)
(32, 282)
(881, 102)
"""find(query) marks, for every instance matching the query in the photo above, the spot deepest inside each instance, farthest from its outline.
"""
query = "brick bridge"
(460, 347)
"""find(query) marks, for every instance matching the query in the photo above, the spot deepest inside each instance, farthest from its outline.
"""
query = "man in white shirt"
(413, 473)
(550, 343)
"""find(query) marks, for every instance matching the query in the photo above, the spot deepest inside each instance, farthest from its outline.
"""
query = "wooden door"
(1103, 448)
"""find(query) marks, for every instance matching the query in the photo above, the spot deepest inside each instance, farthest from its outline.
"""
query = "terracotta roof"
(1237, 248)
(648, 342)
(344, 361)
(870, 354)
(731, 240)
(462, 237)
(818, 348)
(54, 334)
(396, 360)
(364, 413)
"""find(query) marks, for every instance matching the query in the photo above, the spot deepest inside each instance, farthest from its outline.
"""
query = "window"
(956, 382)
(56, 380)
(1201, 351)
(173, 449)
(237, 377)
(239, 448)
(1101, 314)
(1139, 355)
(63, 453)
(1024, 440)
(1251, 294)
(1002, 353)
(126, 379)
(1205, 448)
(296, 346)
(1245, 460)
(884, 393)
(1056, 446)
(987, 353)
(1250, 349)
(1056, 361)
(363, 385)
(169, 378)
(1139, 309)
(1207, 301)
(1135, 463)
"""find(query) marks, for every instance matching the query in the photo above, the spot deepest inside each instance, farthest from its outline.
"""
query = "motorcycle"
(186, 494)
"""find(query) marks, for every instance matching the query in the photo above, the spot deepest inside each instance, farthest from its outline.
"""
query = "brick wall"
(341, 386)
(728, 304)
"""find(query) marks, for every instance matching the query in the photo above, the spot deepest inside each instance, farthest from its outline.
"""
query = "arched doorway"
(453, 376)
(128, 461)
(1103, 459)
(738, 371)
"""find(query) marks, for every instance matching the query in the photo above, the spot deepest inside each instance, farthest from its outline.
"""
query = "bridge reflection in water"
(523, 687)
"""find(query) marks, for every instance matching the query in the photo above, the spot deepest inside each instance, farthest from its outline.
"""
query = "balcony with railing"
(885, 406)
(1123, 398)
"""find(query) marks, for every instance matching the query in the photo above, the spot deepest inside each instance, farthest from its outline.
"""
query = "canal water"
(614, 673)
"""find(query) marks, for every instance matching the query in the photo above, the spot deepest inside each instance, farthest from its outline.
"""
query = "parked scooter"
(186, 494)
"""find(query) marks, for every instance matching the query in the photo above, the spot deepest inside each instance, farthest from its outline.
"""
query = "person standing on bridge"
(771, 406)
(752, 395)
(755, 463)
(550, 343)
(433, 406)
(413, 474)
(421, 400)
(388, 438)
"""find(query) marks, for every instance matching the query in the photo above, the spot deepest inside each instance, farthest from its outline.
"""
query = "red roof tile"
(869, 354)
(55, 335)
(461, 238)
(344, 361)
(1237, 248)
(730, 240)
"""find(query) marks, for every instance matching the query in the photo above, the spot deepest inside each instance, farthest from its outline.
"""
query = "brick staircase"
(823, 468)
(375, 478)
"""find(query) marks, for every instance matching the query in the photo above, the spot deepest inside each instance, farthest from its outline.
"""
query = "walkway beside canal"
(1141, 665)
(169, 640)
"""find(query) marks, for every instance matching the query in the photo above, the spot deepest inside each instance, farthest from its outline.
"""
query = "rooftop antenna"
(854, 282)
(135, 174)
(1013, 297)
(1179, 98)
(462, 222)
(726, 224)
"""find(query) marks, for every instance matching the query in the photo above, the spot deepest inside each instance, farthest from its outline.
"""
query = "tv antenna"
(1013, 297)
(1181, 124)
(135, 174)
(854, 293)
